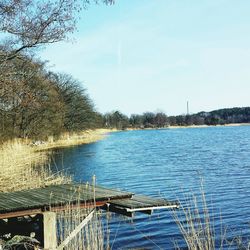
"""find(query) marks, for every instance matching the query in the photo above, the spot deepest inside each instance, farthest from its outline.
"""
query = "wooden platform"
(52, 198)
(45, 203)
(139, 203)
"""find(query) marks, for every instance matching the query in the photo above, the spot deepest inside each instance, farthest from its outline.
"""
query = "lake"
(170, 163)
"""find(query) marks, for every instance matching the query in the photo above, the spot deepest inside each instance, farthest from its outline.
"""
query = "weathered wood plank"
(143, 204)
(56, 195)
(139, 201)
(49, 231)
(76, 231)
(20, 213)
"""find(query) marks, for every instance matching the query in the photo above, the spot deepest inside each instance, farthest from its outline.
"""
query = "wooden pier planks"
(57, 195)
(139, 203)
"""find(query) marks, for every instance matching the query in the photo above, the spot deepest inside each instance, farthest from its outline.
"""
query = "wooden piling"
(49, 230)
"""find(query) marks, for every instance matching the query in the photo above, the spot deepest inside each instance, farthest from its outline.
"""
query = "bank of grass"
(25, 164)
(23, 167)
(73, 139)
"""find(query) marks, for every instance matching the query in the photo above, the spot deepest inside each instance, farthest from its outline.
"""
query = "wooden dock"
(139, 203)
(44, 203)
(52, 198)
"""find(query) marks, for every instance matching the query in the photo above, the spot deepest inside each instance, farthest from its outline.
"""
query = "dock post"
(49, 231)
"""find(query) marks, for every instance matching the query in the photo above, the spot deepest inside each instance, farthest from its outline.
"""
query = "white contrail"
(119, 54)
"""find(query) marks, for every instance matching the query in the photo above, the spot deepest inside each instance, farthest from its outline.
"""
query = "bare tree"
(79, 111)
(29, 104)
(27, 24)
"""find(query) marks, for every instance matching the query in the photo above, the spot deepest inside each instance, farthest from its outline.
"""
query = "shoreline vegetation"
(153, 120)
(193, 126)
(74, 139)
(208, 126)
(25, 164)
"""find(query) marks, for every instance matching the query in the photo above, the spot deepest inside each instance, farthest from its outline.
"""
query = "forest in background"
(160, 120)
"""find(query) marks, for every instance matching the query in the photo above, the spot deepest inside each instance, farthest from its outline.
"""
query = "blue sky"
(154, 55)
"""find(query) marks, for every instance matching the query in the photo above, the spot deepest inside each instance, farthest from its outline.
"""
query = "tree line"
(35, 102)
(160, 120)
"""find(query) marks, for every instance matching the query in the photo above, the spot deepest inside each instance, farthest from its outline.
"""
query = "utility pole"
(187, 108)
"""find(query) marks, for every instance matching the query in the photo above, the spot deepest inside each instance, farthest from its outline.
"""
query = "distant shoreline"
(207, 126)
(192, 126)
(92, 136)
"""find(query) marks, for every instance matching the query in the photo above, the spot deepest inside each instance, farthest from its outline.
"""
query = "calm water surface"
(169, 163)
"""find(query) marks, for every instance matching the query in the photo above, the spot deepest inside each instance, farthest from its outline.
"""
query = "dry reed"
(91, 236)
(23, 167)
(72, 139)
(195, 223)
(197, 226)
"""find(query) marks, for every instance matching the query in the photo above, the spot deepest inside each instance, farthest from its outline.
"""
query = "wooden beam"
(50, 209)
(77, 206)
(20, 213)
(49, 230)
(76, 231)
(118, 210)
(130, 211)
(151, 208)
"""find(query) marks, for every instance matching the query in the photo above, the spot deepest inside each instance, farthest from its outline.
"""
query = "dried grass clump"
(91, 235)
(23, 167)
(195, 224)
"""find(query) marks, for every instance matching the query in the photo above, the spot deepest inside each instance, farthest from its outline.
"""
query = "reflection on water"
(169, 163)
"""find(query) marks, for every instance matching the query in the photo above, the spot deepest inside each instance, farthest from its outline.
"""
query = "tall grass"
(196, 222)
(72, 139)
(23, 167)
(91, 235)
